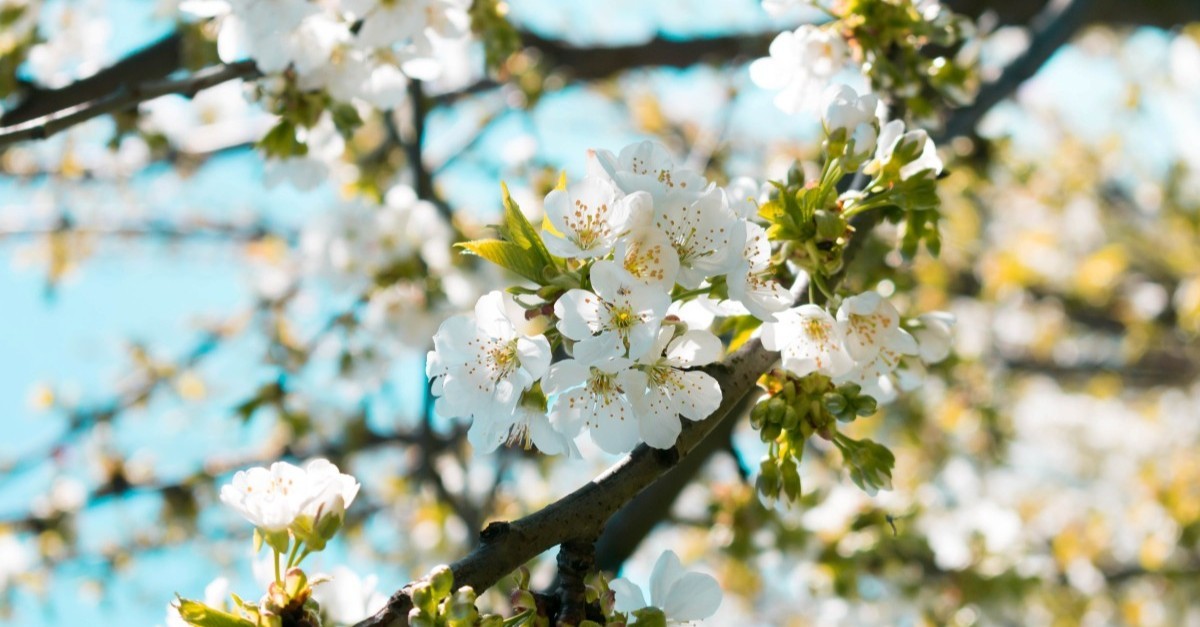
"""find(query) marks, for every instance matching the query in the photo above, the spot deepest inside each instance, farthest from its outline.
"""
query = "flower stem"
(275, 558)
(518, 619)
(292, 557)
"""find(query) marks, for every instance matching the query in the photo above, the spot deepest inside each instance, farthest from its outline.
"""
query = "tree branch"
(123, 97)
(584, 512)
(1052, 27)
(635, 521)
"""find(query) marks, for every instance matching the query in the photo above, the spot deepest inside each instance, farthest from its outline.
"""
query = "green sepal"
(201, 615)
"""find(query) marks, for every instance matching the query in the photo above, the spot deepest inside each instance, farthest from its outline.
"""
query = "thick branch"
(584, 512)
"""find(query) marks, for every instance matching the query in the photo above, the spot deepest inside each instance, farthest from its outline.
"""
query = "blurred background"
(173, 308)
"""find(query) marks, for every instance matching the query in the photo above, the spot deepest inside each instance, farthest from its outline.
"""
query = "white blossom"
(672, 390)
(750, 282)
(648, 255)
(647, 166)
(702, 231)
(481, 365)
(588, 217)
(347, 598)
(801, 64)
(619, 311)
(809, 340)
(682, 596)
(934, 336)
(591, 391)
(871, 324)
(853, 118)
(330, 490)
(914, 150)
(270, 498)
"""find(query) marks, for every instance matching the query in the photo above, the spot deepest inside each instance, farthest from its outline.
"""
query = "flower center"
(816, 329)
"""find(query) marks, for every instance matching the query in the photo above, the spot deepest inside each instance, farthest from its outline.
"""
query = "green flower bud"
(522, 577)
(775, 410)
(769, 478)
(422, 597)
(789, 391)
(650, 617)
(758, 415)
(441, 581)
(791, 418)
(835, 403)
(417, 618)
(791, 480)
(770, 432)
(295, 584)
(865, 406)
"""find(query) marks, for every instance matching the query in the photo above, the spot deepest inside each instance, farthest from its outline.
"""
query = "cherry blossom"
(801, 64)
(909, 153)
(647, 166)
(871, 324)
(270, 498)
(702, 231)
(810, 340)
(481, 365)
(672, 390)
(620, 311)
(591, 391)
(588, 217)
(750, 282)
(852, 120)
(934, 336)
(681, 595)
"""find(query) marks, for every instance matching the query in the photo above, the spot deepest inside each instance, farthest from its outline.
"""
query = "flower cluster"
(886, 36)
(620, 251)
(864, 344)
(319, 44)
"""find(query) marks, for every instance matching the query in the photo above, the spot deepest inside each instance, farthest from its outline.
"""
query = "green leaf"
(201, 615)
(509, 256)
(517, 229)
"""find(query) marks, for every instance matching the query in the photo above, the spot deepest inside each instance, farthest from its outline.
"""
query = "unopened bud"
(865, 406)
(791, 418)
(441, 581)
(791, 480)
(775, 410)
